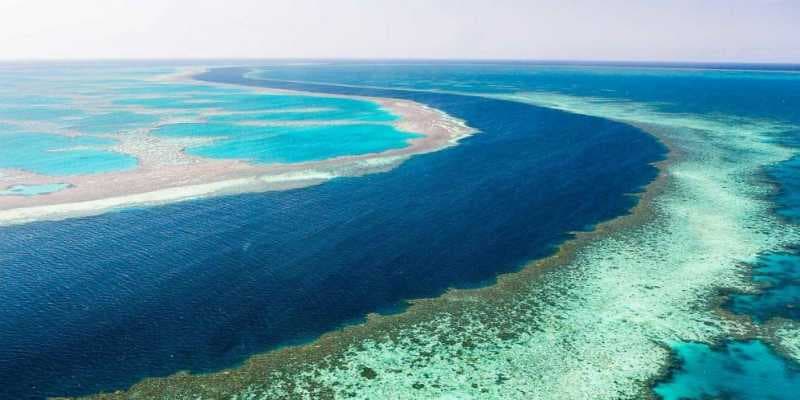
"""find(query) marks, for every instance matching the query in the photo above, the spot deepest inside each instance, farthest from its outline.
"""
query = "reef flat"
(178, 139)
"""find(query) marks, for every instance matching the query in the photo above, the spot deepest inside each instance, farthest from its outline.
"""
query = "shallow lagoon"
(282, 144)
(58, 155)
(114, 122)
(61, 118)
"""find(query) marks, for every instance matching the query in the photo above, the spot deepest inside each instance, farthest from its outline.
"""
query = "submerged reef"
(739, 370)
(778, 292)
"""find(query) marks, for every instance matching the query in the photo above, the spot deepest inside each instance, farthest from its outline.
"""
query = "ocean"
(98, 303)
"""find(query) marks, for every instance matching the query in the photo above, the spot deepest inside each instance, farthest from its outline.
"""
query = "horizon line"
(412, 59)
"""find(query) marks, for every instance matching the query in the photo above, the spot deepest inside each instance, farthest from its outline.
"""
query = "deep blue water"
(97, 303)
(763, 94)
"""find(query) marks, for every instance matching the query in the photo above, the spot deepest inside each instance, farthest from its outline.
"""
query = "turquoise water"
(114, 122)
(178, 103)
(33, 190)
(779, 296)
(269, 107)
(139, 88)
(12, 99)
(60, 155)
(365, 129)
(788, 174)
(207, 130)
(95, 102)
(38, 113)
(738, 371)
(300, 144)
(270, 144)
(305, 114)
